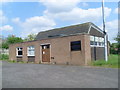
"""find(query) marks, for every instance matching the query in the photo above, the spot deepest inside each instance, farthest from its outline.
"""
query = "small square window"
(91, 42)
(75, 45)
(19, 52)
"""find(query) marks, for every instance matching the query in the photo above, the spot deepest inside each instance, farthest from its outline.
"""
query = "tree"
(115, 47)
(117, 38)
(118, 41)
(5, 45)
(11, 39)
(30, 37)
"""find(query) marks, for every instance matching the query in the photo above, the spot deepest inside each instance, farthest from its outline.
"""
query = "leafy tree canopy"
(30, 37)
(11, 39)
(117, 38)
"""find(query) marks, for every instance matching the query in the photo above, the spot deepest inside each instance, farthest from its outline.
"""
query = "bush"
(114, 48)
(4, 57)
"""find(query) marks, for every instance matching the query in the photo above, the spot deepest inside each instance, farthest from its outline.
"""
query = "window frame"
(71, 46)
(19, 50)
(98, 41)
(28, 54)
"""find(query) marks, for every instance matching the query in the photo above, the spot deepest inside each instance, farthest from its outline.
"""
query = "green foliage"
(118, 37)
(11, 61)
(5, 45)
(112, 62)
(30, 37)
(118, 40)
(11, 40)
(4, 57)
(114, 48)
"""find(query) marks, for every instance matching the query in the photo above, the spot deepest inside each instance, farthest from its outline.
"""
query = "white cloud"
(35, 25)
(3, 18)
(57, 6)
(112, 29)
(80, 15)
(117, 11)
(16, 20)
(68, 10)
(3, 1)
(6, 28)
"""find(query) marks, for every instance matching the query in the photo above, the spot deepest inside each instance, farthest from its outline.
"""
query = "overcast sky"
(23, 18)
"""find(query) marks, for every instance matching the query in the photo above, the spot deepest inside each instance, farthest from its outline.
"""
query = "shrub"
(4, 57)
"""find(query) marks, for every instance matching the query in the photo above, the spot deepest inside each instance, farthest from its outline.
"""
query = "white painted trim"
(95, 28)
(30, 55)
(19, 55)
(96, 46)
(17, 51)
(89, 29)
(45, 44)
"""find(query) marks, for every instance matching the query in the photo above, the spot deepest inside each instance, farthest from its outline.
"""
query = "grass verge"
(111, 63)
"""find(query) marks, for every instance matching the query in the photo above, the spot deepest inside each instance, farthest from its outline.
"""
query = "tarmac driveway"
(15, 75)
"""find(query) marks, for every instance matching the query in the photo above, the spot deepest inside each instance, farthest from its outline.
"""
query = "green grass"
(11, 61)
(4, 57)
(112, 62)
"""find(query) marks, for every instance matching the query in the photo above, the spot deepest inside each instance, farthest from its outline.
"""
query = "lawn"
(112, 62)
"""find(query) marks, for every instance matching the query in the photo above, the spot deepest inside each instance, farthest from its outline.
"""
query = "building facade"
(73, 45)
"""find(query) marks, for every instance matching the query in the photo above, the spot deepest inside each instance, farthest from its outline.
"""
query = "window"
(92, 39)
(101, 41)
(31, 51)
(91, 42)
(96, 41)
(100, 44)
(75, 45)
(19, 51)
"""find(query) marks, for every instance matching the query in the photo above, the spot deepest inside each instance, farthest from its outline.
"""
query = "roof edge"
(96, 27)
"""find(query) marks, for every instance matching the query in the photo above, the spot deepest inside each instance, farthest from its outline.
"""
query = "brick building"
(74, 45)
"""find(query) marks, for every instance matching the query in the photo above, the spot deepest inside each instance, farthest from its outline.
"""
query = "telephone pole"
(105, 34)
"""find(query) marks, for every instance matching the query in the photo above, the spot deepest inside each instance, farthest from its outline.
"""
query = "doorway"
(46, 53)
